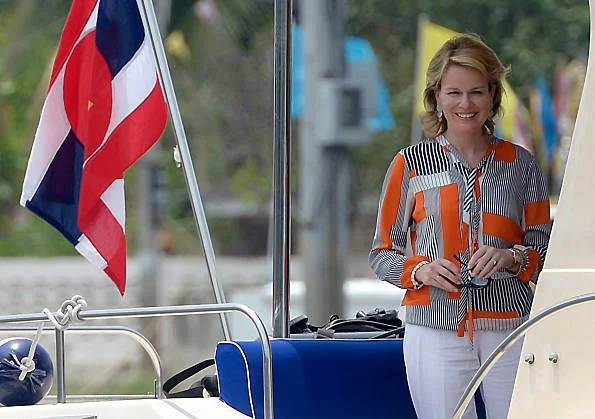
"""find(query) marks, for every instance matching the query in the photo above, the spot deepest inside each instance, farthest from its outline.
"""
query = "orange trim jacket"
(421, 205)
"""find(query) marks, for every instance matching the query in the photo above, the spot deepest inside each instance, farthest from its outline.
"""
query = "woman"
(474, 210)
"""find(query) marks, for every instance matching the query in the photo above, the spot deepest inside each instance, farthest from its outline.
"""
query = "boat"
(289, 376)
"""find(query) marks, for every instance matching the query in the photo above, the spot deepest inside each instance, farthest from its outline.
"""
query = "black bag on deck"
(376, 324)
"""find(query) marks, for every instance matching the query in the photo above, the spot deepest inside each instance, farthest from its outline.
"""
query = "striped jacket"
(426, 206)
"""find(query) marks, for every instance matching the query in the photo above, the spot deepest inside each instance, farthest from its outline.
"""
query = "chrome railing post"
(267, 365)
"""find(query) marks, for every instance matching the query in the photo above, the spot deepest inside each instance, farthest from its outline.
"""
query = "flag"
(544, 118)
(432, 37)
(103, 110)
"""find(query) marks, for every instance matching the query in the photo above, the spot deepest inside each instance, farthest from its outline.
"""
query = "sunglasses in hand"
(475, 282)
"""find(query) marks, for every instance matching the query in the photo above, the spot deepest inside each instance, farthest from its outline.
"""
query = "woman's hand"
(488, 260)
(441, 273)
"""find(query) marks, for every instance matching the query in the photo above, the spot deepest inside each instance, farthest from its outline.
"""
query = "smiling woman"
(475, 209)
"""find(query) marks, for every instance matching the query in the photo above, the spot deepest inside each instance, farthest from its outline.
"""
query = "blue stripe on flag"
(120, 32)
(57, 198)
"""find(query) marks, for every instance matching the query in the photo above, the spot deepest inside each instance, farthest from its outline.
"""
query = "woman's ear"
(437, 98)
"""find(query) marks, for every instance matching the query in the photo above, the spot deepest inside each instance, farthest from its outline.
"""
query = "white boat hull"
(144, 408)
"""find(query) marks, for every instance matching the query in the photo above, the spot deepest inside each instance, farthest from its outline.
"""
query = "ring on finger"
(494, 262)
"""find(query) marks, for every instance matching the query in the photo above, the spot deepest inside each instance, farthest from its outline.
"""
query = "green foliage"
(250, 184)
(28, 37)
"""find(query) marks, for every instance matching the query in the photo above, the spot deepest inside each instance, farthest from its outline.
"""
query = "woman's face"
(465, 98)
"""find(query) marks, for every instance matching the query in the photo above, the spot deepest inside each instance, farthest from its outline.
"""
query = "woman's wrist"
(517, 265)
(417, 284)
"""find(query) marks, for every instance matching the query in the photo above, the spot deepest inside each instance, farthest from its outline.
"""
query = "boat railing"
(516, 334)
(180, 310)
(100, 330)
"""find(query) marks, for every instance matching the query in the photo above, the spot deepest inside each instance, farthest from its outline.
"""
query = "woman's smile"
(466, 115)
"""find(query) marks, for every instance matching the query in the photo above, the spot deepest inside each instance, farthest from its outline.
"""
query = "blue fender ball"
(36, 384)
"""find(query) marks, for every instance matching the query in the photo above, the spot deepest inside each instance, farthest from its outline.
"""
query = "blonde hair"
(466, 50)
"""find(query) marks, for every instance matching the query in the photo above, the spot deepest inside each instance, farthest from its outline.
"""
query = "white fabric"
(424, 182)
(51, 132)
(440, 365)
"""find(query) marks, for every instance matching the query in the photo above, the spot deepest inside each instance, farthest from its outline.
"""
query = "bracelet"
(518, 260)
(416, 284)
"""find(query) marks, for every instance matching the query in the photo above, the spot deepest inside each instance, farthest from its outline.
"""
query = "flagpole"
(186, 159)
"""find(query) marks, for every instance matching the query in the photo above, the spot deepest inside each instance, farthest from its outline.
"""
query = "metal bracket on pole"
(186, 159)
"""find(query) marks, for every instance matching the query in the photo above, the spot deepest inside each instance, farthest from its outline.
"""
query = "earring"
(439, 112)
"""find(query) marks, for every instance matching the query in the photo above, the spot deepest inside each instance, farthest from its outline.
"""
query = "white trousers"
(440, 365)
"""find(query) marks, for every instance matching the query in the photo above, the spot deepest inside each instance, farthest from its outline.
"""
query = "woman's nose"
(465, 100)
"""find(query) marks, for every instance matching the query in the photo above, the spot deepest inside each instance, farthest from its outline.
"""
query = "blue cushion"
(317, 378)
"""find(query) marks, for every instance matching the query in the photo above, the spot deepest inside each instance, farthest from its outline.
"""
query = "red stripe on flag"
(129, 141)
(79, 14)
(88, 94)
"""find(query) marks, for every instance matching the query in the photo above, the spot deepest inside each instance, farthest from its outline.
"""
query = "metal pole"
(281, 162)
(186, 159)
(60, 363)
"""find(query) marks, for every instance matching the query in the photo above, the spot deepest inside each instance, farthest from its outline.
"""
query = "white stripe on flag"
(114, 199)
(51, 133)
(91, 23)
(132, 85)
(88, 251)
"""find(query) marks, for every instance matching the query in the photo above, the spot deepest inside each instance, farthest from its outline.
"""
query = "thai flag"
(104, 109)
